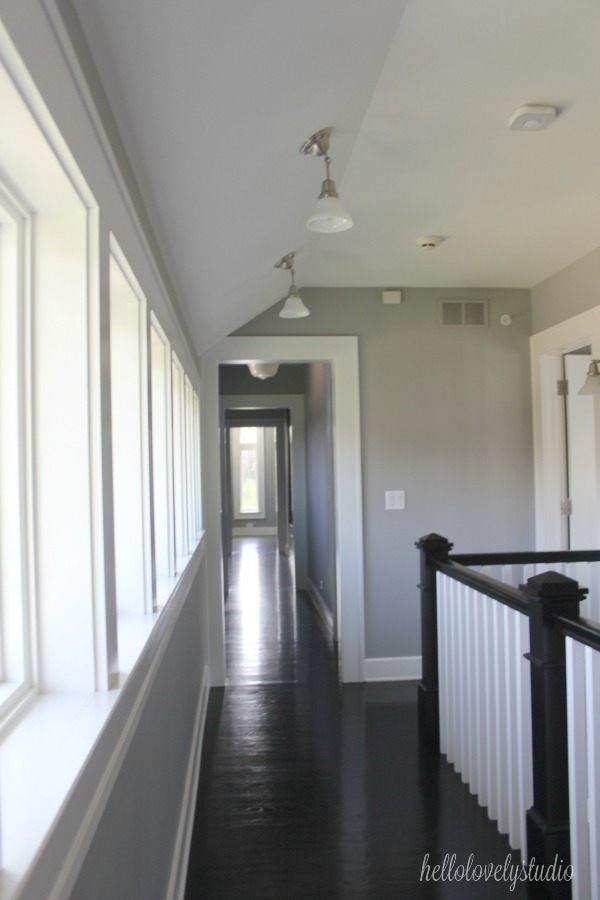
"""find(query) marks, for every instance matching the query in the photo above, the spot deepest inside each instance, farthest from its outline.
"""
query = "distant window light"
(248, 482)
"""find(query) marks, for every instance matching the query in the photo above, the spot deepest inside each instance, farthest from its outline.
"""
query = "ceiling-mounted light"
(293, 308)
(263, 370)
(592, 382)
(329, 215)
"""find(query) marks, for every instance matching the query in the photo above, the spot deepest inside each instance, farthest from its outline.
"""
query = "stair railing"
(510, 693)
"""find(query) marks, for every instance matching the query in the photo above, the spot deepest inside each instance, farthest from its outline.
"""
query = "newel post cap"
(553, 586)
(434, 544)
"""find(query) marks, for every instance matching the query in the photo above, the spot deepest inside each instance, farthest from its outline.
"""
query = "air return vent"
(463, 312)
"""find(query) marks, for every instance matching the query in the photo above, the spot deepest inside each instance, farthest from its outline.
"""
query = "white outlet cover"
(395, 500)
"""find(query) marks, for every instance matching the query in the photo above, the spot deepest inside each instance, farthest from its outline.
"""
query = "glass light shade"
(592, 382)
(263, 370)
(329, 217)
(293, 308)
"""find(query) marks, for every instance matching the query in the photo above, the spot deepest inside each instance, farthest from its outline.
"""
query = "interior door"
(283, 492)
(581, 455)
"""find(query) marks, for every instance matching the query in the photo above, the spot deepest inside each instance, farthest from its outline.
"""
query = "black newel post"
(548, 818)
(433, 547)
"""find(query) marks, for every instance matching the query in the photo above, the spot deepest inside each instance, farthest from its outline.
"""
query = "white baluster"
(592, 672)
(525, 771)
(578, 779)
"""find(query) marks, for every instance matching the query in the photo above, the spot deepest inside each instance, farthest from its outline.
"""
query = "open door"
(566, 435)
(580, 455)
(283, 484)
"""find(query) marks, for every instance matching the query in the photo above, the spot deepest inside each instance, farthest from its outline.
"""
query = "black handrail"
(583, 630)
(551, 602)
(504, 593)
(526, 557)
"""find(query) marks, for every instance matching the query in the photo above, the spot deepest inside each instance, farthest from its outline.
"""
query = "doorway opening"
(578, 507)
(277, 483)
(341, 353)
(566, 434)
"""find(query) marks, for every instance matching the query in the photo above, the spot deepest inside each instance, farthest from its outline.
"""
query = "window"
(162, 452)
(15, 656)
(248, 471)
(129, 438)
(80, 358)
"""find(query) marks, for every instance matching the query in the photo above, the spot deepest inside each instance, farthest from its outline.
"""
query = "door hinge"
(562, 387)
(566, 507)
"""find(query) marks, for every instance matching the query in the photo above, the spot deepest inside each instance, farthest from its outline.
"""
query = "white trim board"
(183, 838)
(342, 353)
(295, 404)
(393, 668)
(321, 608)
(254, 531)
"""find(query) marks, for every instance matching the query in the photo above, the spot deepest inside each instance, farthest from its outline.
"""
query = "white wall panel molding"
(183, 839)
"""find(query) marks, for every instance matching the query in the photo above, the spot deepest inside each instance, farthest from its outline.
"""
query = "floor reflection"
(313, 790)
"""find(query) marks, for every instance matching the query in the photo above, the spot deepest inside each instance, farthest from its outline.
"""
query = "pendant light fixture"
(263, 370)
(592, 382)
(329, 215)
(293, 308)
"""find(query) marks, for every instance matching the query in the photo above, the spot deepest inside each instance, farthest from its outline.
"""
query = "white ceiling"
(213, 99)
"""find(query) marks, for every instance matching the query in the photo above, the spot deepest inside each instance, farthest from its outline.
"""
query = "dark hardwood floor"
(311, 790)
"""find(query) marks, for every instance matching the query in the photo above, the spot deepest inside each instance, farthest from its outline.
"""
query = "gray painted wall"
(446, 416)
(132, 849)
(573, 290)
(236, 379)
(319, 483)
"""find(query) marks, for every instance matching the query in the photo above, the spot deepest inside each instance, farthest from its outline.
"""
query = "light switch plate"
(395, 500)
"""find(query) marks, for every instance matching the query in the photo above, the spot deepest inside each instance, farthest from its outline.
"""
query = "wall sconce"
(293, 308)
(592, 382)
(329, 215)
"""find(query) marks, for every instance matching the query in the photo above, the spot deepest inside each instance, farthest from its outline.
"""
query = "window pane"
(247, 435)
(248, 480)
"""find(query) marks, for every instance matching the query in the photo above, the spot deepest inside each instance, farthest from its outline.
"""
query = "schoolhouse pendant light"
(592, 382)
(293, 307)
(329, 215)
(263, 370)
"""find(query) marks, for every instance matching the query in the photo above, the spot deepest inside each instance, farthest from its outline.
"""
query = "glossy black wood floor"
(313, 790)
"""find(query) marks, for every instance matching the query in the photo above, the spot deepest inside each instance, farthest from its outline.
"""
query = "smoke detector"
(532, 118)
(429, 241)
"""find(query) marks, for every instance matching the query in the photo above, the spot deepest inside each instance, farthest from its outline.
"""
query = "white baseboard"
(254, 531)
(393, 668)
(321, 607)
(183, 839)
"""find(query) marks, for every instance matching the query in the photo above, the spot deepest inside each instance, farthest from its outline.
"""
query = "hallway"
(310, 790)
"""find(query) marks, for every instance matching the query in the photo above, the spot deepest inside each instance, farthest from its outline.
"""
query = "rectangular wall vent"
(464, 312)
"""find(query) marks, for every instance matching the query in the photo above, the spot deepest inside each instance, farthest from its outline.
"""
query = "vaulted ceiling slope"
(213, 99)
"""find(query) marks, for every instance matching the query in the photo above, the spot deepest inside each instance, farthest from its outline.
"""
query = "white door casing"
(547, 349)
(342, 354)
